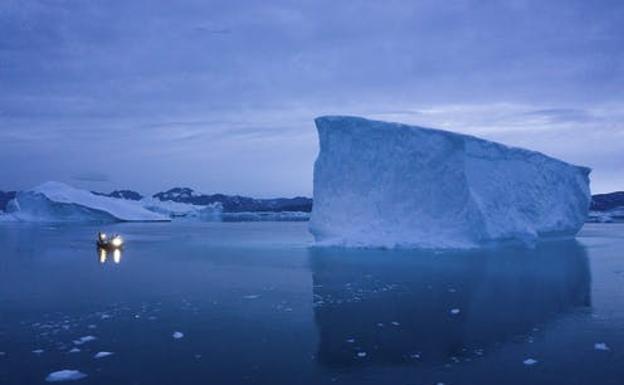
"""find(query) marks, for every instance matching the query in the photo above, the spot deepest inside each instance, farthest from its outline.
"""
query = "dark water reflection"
(398, 307)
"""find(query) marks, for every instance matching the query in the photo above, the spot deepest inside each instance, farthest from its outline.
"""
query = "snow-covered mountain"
(235, 203)
(122, 194)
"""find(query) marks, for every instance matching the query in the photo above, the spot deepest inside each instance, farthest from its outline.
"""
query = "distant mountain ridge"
(230, 203)
(122, 194)
(605, 202)
(5, 197)
(237, 203)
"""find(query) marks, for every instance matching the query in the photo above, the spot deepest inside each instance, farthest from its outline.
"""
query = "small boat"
(114, 243)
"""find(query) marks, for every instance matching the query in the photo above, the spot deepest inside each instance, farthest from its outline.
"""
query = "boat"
(114, 243)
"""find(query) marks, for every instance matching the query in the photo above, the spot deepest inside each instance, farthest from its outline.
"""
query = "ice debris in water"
(251, 296)
(530, 361)
(361, 354)
(74, 350)
(38, 351)
(601, 346)
(102, 354)
(178, 335)
(84, 340)
(65, 375)
(455, 311)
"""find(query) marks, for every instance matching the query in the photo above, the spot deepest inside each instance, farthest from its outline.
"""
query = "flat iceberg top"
(389, 184)
(361, 125)
(30, 206)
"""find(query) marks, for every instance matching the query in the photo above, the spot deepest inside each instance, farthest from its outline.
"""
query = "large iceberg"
(58, 202)
(379, 184)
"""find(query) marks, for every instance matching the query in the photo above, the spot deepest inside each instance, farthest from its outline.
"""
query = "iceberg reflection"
(405, 306)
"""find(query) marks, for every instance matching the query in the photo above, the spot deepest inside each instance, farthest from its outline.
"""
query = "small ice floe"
(251, 296)
(454, 311)
(350, 340)
(65, 375)
(530, 361)
(415, 356)
(38, 351)
(395, 323)
(84, 340)
(92, 326)
(105, 316)
(451, 290)
(361, 354)
(99, 355)
(74, 350)
(177, 335)
(601, 346)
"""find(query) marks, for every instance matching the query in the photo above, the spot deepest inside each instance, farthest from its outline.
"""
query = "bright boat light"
(117, 242)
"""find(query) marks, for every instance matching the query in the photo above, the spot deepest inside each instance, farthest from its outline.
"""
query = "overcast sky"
(221, 95)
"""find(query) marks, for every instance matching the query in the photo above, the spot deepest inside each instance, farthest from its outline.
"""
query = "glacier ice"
(379, 184)
(58, 202)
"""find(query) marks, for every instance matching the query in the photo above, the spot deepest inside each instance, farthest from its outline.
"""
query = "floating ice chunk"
(251, 296)
(379, 184)
(361, 354)
(58, 202)
(92, 326)
(74, 350)
(102, 354)
(84, 340)
(178, 335)
(454, 311)
(65, 375)
(601, 346)
(530, 361)
(350, 340)
(395, 323)
(38, 351)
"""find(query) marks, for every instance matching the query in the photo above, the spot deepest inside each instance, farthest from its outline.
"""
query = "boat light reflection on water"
(105, 255)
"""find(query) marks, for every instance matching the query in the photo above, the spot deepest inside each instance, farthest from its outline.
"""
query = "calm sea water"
(255, 304)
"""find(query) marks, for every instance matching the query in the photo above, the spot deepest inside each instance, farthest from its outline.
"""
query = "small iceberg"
(530, 361)
(99, 355)
(84, 340)
(65, 375)
(177, 335)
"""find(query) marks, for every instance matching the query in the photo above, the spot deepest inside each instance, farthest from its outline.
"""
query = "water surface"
(256, 305)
